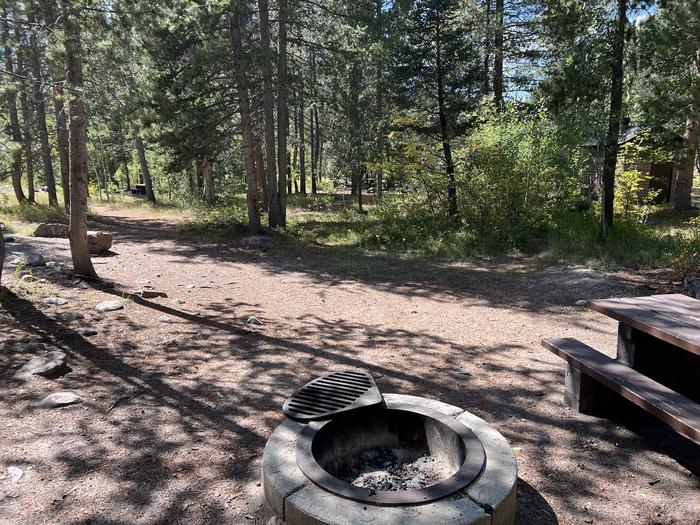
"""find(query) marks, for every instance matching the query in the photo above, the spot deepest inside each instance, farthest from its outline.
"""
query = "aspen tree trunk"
(209, 194)
(40, 106)
(15, 130)
(615, 115)
(143, 164)
(77, 140)
(682, 198)
(62, 141)
(498, 57)
(284, 178)
(241, 75)
(272, 197)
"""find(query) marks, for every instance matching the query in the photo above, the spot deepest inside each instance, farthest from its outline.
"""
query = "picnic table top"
(674, 318)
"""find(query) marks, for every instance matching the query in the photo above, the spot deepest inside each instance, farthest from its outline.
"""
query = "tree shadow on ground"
(180, 438)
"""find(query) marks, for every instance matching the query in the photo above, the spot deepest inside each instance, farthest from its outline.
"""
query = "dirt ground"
(181, 396)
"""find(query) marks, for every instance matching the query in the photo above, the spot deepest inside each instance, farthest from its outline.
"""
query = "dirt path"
(181, 393)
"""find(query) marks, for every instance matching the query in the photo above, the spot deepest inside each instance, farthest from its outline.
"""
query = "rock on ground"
(99, 242)
(32, 259)
(254, 320)
(109, 306)
(52, 230)
(44, 365)
(59, 301)
(68, 317)
(61, 399)
(149, 294)
(258, 241)
(236, 229)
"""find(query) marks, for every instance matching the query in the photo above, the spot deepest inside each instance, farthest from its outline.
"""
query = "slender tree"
(284, 179)
(80, 252)
(615, 114)
(143, 164)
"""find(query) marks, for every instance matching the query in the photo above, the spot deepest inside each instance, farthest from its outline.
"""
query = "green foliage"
(34, 213)
(214, 220)
(575, 237)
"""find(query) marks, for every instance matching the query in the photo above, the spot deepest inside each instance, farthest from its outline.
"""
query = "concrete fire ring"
(489, 500)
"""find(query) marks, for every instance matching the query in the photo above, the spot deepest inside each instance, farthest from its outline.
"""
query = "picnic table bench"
(657, 366)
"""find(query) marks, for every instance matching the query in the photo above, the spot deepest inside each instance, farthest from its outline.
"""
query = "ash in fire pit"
(392, 468)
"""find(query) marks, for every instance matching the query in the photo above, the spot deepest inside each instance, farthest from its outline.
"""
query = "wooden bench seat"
(589, 368)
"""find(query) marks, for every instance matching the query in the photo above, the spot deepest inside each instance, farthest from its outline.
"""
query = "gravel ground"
(182, 392)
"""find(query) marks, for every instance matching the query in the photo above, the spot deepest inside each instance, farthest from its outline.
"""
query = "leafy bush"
(514, 173)
(213, 220)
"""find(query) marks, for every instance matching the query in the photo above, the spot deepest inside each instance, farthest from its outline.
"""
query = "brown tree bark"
(302, 138)
(2, 254)
(312, 149)
(498, 57)
(284, 178)
(272, 198)
(15, 130)
(380, 103)
(354, 121)
(127, 182)
(241, 76)
(40, 106)
(615, 115)
(486, 88)
(682, 197)
(143, 164)
(444, 132)
(26, 116)
(77, 140)
(261, 181)
(62, 141)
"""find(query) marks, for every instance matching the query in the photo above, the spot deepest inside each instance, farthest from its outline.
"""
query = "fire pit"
(401, 459)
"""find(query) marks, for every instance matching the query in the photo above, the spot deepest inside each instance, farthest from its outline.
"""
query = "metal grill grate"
(332, 394)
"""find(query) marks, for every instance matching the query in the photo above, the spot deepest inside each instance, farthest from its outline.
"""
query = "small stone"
(61, 399)
(166, 319)
(68, 317)
(15, 473)
(143, 281)
(58, 301)
(85, 332)
(253, 320)
(46, 365)
(258, 241)
(581, 302)
(27, 278)
(177, 301)
(190, 286)
(31, 347)
(8, 239)
(109, 306)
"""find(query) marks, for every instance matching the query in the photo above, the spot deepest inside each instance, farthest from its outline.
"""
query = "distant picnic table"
(657, 365)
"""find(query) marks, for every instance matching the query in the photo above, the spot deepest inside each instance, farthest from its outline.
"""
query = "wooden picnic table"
(659, 336)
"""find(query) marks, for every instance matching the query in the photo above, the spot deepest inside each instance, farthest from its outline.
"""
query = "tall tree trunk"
(354, 121)
(486, 88)
(261, 181)
(26, 116)
(498, 57)
(77, 139)
(379, 153)
(312, 149)
(209, 194)
(127, 182)
(241, 75)
(444, 132)
(317, 146)
(62, 141)
(40, 105)
(282, 113)
(289, 174)
(2, 254)
(15, 130)
(143, 164)
(682, 198)
(273, 199)
(615, 115)
(302, 137)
